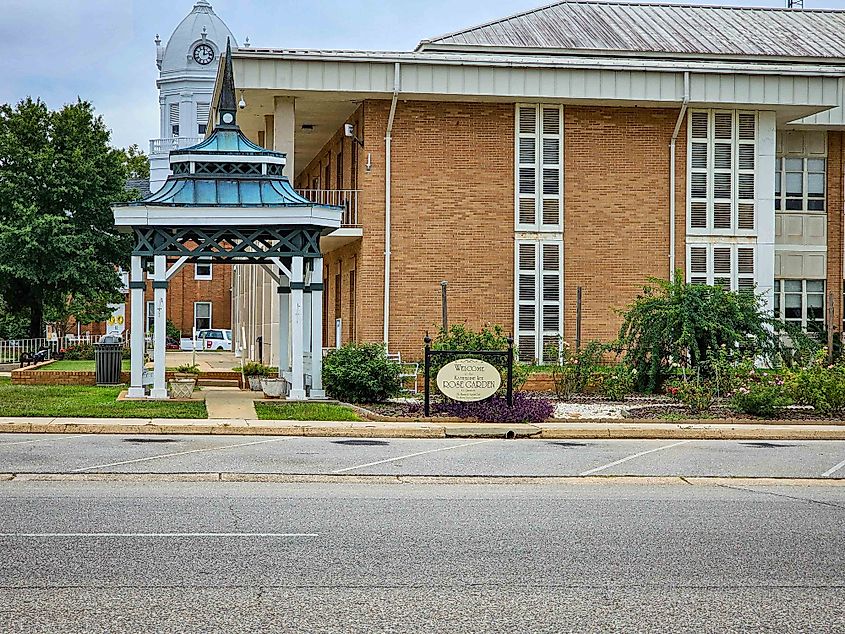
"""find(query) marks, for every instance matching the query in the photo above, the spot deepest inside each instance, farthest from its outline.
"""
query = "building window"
(539, 314)
(151, 314)
(174, 119)
(202, 271)
(202, 315)
(727, 265)
(202, 118)
(539, 168)
(800, 184)
(721, 162)
(801, 303)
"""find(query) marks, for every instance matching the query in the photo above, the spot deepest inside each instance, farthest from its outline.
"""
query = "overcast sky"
(103, 50)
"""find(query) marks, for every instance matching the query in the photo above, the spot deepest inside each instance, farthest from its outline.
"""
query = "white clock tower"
(187, 69)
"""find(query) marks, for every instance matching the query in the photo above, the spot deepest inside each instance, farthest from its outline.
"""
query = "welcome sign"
(469, 380)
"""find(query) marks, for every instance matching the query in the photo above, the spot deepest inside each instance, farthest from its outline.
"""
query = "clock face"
(204, 54)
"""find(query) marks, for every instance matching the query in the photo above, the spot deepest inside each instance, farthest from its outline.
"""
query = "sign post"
(468, 378)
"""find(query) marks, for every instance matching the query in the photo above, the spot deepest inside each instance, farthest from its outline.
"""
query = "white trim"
(204, 262)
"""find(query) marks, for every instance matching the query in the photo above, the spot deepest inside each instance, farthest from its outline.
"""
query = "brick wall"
(616, 209)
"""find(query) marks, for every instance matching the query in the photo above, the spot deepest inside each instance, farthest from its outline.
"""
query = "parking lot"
(56, 453)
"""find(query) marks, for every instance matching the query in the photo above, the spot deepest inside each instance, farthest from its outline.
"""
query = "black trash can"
(108, 360)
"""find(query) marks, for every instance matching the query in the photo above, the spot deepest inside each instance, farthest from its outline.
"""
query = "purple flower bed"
(496, 410)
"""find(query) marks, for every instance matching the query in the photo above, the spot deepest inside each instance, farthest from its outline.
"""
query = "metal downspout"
(672, 178)
(387, 144)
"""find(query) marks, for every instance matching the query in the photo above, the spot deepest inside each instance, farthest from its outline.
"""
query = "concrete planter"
(274, 388)
(182, 387)
(254, 383)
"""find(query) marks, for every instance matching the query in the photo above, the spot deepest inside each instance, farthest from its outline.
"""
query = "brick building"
(525, 158)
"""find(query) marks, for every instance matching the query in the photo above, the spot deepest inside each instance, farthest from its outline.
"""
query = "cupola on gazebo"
(229, 200)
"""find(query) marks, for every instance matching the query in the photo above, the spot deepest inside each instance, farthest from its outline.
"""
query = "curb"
(317, 478)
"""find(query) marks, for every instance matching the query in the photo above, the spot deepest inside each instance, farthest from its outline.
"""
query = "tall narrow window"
(539, 171)
(339, 171)
(202, 315)
(202, 118)
(722, 161)
(151, 315)
(538, 299)
(174, 119)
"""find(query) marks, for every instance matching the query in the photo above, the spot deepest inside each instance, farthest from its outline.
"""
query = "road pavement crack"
(838, 507)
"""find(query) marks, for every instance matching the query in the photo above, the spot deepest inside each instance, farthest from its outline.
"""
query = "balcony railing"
(346, 198)
(163, 146)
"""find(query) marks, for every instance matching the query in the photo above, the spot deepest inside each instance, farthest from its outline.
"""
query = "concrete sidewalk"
(368, 429)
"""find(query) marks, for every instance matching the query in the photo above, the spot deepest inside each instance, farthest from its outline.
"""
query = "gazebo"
(229, 200)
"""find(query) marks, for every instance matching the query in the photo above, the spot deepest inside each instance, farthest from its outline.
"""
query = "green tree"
(136, 162)
(688, 324)
(58, 178)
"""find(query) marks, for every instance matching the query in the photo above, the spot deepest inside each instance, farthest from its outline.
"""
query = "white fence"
(11, 350)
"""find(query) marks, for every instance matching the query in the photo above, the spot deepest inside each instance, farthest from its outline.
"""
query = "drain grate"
(360, 442)
(767, 445)
(571, 444)
(139, 441)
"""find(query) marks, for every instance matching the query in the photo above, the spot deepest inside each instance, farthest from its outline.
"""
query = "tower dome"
(185, 50)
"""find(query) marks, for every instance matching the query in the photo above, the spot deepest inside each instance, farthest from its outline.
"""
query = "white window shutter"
(539, 171)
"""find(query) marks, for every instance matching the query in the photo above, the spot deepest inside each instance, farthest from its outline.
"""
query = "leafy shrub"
(188, 368)
(361, 373)
(696, 394)
(760, 399)
(461, 337)
(575, 369)
(614, 382)
(251, 368)
(495, 410)
(819, 385)
(676, 322)
(79, 352)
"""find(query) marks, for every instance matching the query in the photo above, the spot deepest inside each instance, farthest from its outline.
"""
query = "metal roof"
(659, 29)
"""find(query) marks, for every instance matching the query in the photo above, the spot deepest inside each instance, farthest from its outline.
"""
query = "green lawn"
(76, 366)
(89, 402)
(304, 411)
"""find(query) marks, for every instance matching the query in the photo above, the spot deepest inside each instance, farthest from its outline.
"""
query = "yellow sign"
(469, 380)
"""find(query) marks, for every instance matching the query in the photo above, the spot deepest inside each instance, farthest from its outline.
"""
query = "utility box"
(108, 360)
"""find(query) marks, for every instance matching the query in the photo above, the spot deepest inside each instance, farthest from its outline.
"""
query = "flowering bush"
(820, 385)
(496, 410)
(761, 398)
(614, 382)
(78, 352)
(573, 373)
(696, 394)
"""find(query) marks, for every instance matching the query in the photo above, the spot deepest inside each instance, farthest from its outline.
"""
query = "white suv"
(212, 339)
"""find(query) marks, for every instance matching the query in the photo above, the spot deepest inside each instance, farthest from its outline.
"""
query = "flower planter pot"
(274, 388)
(254, 383)
(182, 387)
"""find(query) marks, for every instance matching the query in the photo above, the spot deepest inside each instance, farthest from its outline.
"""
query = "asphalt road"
(56, 453)
(216, 557)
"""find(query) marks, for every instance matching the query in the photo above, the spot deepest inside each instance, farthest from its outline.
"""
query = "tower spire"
(227, 107)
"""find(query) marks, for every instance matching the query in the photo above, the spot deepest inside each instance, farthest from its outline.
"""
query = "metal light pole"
(444, 308)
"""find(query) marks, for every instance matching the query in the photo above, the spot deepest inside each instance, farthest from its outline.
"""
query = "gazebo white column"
(284, 325)
(159, 326)
(317, 329)
(297, 283)
(136, 334)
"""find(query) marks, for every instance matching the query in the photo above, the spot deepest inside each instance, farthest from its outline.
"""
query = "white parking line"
(26, 442)
(833, 469)
(632, 457)
(154, 535)
(410, 455)
(177, 453)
